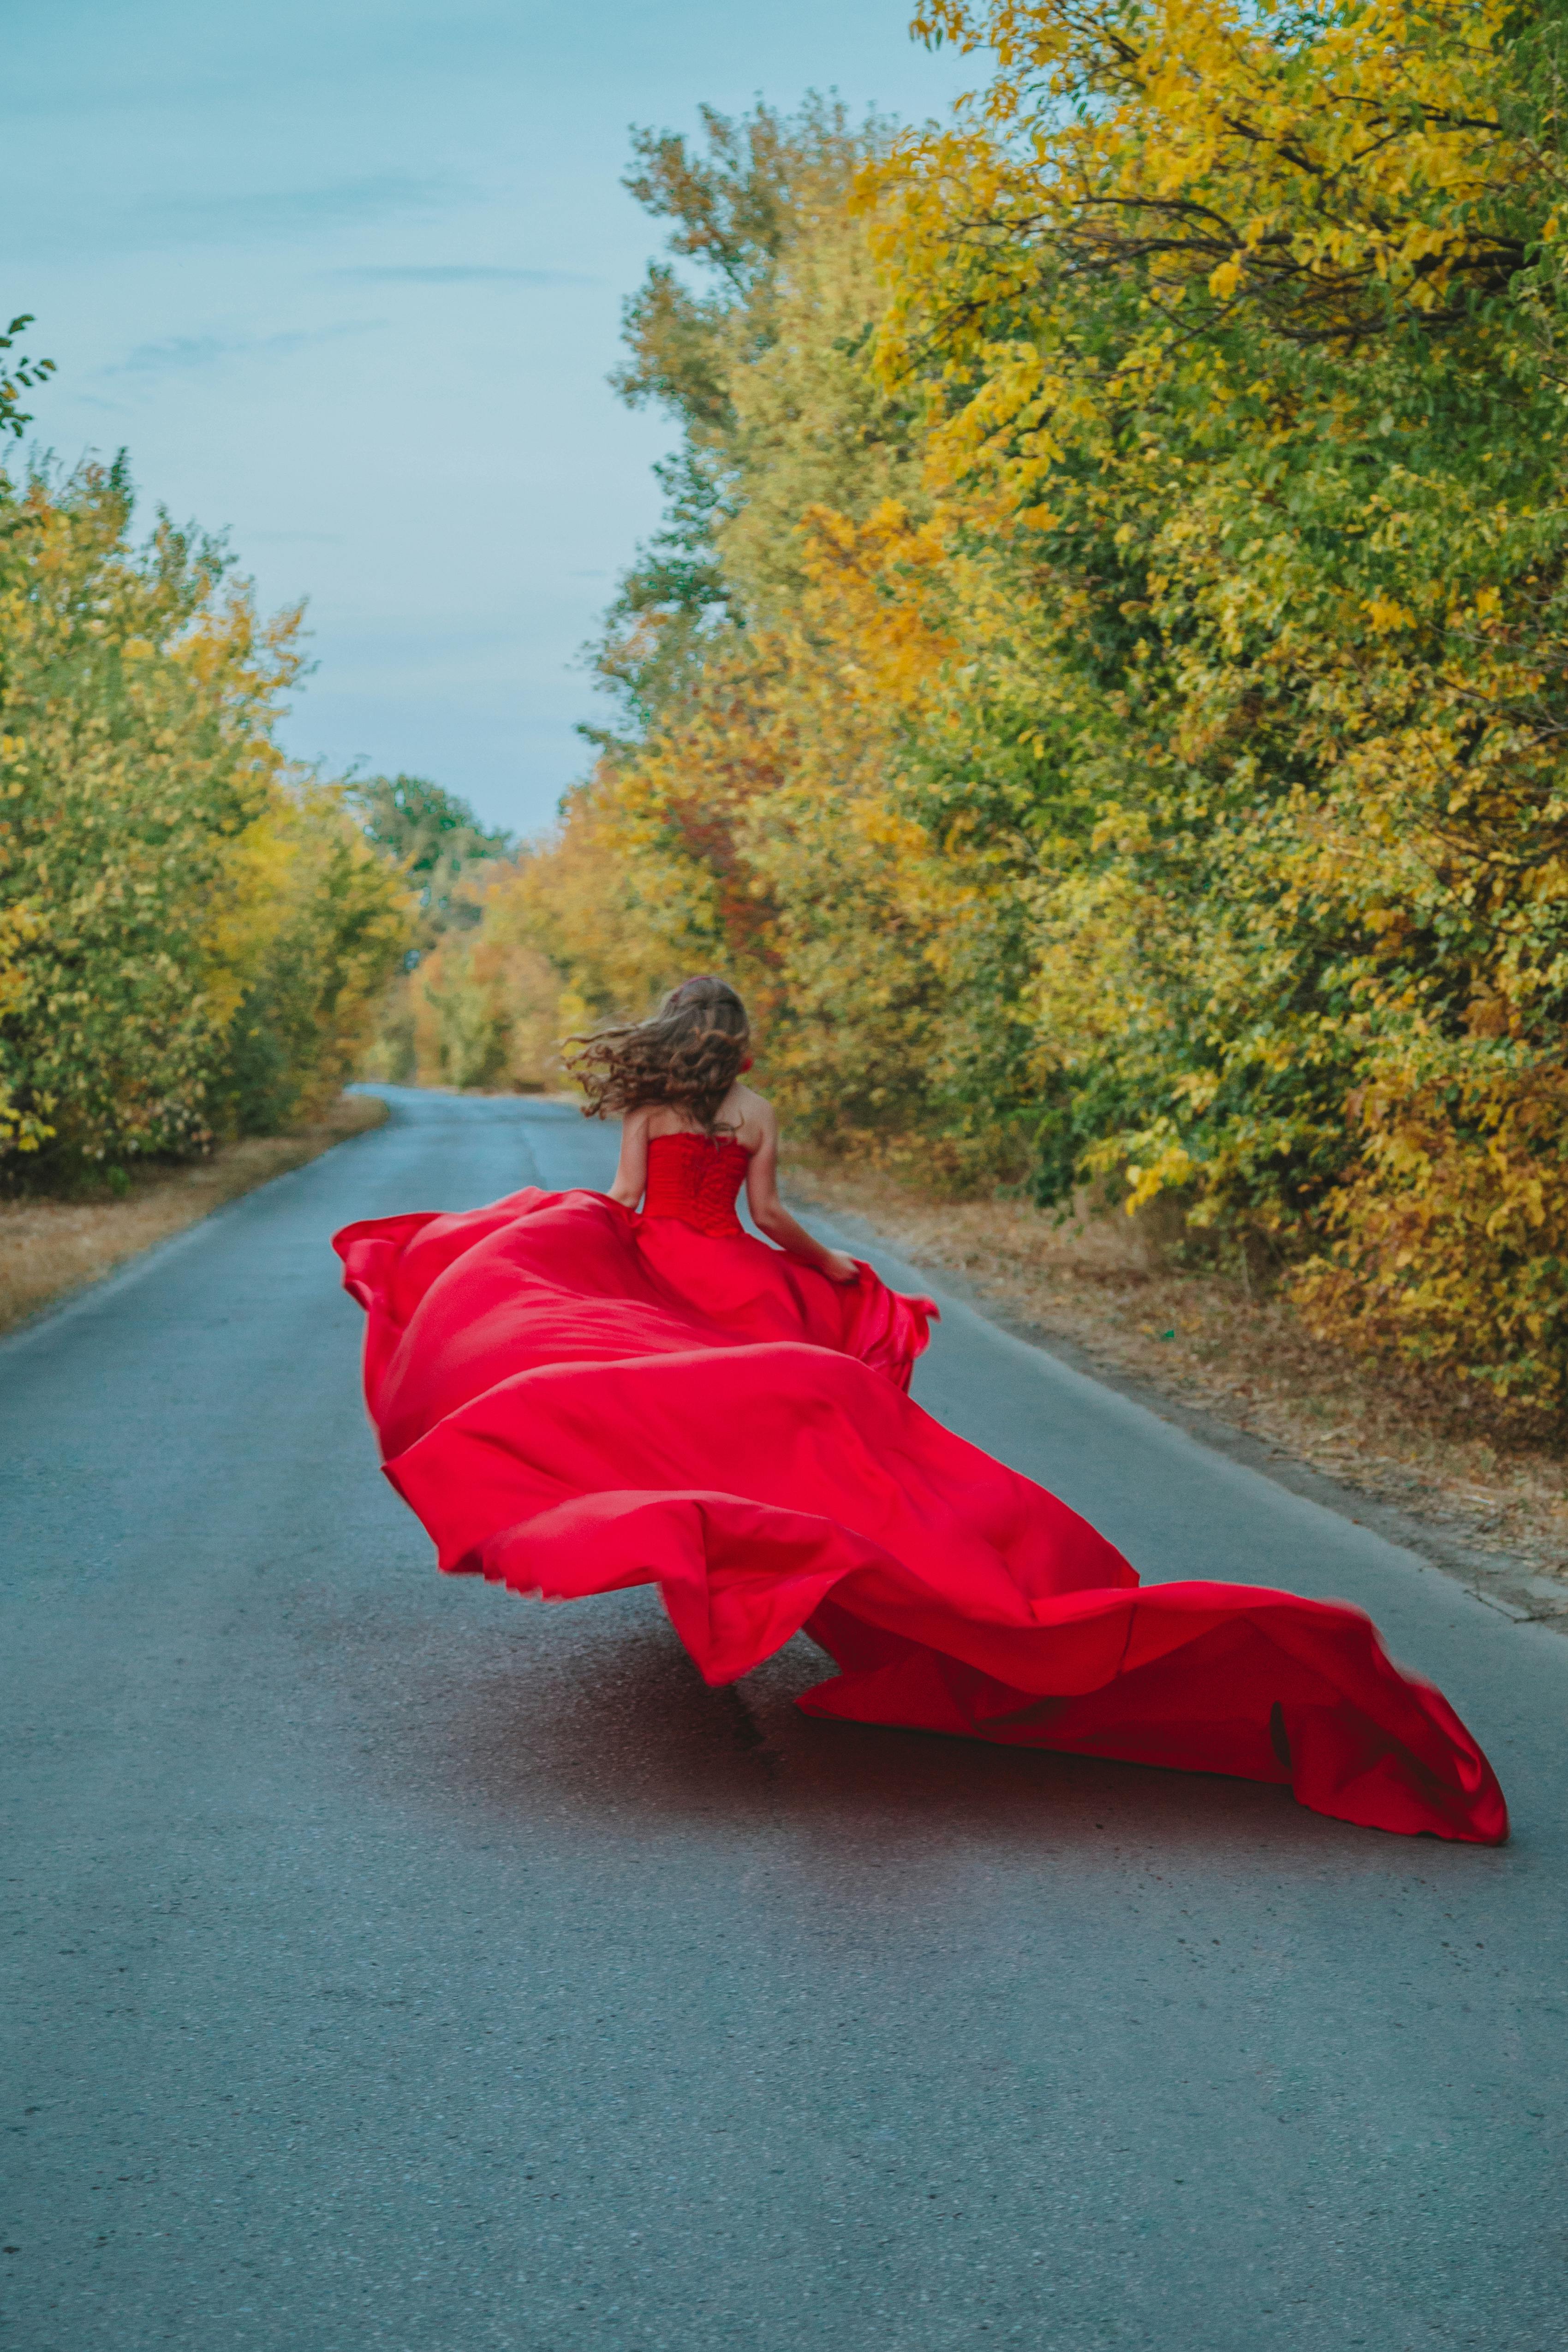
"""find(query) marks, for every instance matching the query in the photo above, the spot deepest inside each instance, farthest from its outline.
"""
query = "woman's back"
(745, 1117)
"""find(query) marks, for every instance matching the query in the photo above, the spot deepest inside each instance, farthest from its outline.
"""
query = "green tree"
(19, 375)
(176, 906)
(434, 837)
(744, 203)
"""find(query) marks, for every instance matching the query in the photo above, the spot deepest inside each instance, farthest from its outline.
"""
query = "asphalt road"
(396, 1963)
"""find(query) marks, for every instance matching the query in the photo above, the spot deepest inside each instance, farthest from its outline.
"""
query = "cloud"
(461, 273)
(255, 215)
(180, 352)
(80, 222)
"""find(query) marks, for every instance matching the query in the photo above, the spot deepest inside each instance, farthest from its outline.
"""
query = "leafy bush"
(191, 934)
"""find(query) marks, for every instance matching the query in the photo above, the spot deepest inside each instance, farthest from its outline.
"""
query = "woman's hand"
(769, 1214)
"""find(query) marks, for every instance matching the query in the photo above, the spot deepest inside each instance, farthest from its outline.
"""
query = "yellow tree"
(1249, 320)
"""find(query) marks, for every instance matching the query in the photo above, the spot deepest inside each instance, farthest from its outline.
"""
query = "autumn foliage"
(192, 936)
(1100, 686)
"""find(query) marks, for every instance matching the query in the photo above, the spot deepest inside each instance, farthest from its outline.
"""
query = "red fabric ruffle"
(575, 1399)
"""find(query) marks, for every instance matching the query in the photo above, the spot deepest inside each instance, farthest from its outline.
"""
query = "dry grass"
(50, 1248)
(1199, 1337)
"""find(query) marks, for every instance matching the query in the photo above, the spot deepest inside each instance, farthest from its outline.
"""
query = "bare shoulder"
(753, 1116)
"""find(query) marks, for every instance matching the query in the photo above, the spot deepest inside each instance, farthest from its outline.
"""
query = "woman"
(576, 1394)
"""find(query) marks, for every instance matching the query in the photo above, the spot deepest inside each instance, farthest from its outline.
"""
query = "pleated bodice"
(696, 1178)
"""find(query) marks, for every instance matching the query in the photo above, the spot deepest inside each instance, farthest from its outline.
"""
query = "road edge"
(79, 1297)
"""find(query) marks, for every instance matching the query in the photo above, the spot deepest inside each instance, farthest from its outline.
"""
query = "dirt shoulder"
(50, 1248)
(1434, 1472)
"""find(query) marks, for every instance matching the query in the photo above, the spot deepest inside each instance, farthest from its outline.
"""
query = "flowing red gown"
(575, 1398)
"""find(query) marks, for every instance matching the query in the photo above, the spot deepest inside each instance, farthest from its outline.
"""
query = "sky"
(344, 277)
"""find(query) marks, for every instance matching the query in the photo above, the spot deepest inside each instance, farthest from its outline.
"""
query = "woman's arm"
(631, 1175)
(771, 1216)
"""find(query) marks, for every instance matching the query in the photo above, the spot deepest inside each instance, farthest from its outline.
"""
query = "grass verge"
(1204, 1340)
(50, 1248)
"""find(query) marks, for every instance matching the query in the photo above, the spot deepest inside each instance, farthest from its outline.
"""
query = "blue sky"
(346, 277)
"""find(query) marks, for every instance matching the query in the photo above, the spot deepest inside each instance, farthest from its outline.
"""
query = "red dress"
(575, 1397)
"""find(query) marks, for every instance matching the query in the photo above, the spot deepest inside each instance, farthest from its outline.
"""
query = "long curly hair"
(687, 1056)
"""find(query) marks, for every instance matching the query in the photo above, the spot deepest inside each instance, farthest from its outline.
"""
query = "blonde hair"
(687, 1056)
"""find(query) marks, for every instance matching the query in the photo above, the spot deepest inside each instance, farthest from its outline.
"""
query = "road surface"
(397, 1964)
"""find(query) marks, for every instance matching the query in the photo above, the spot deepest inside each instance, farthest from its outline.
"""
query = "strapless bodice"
(696, 1178)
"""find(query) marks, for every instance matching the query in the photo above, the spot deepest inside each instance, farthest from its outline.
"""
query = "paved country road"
(395, 1963)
